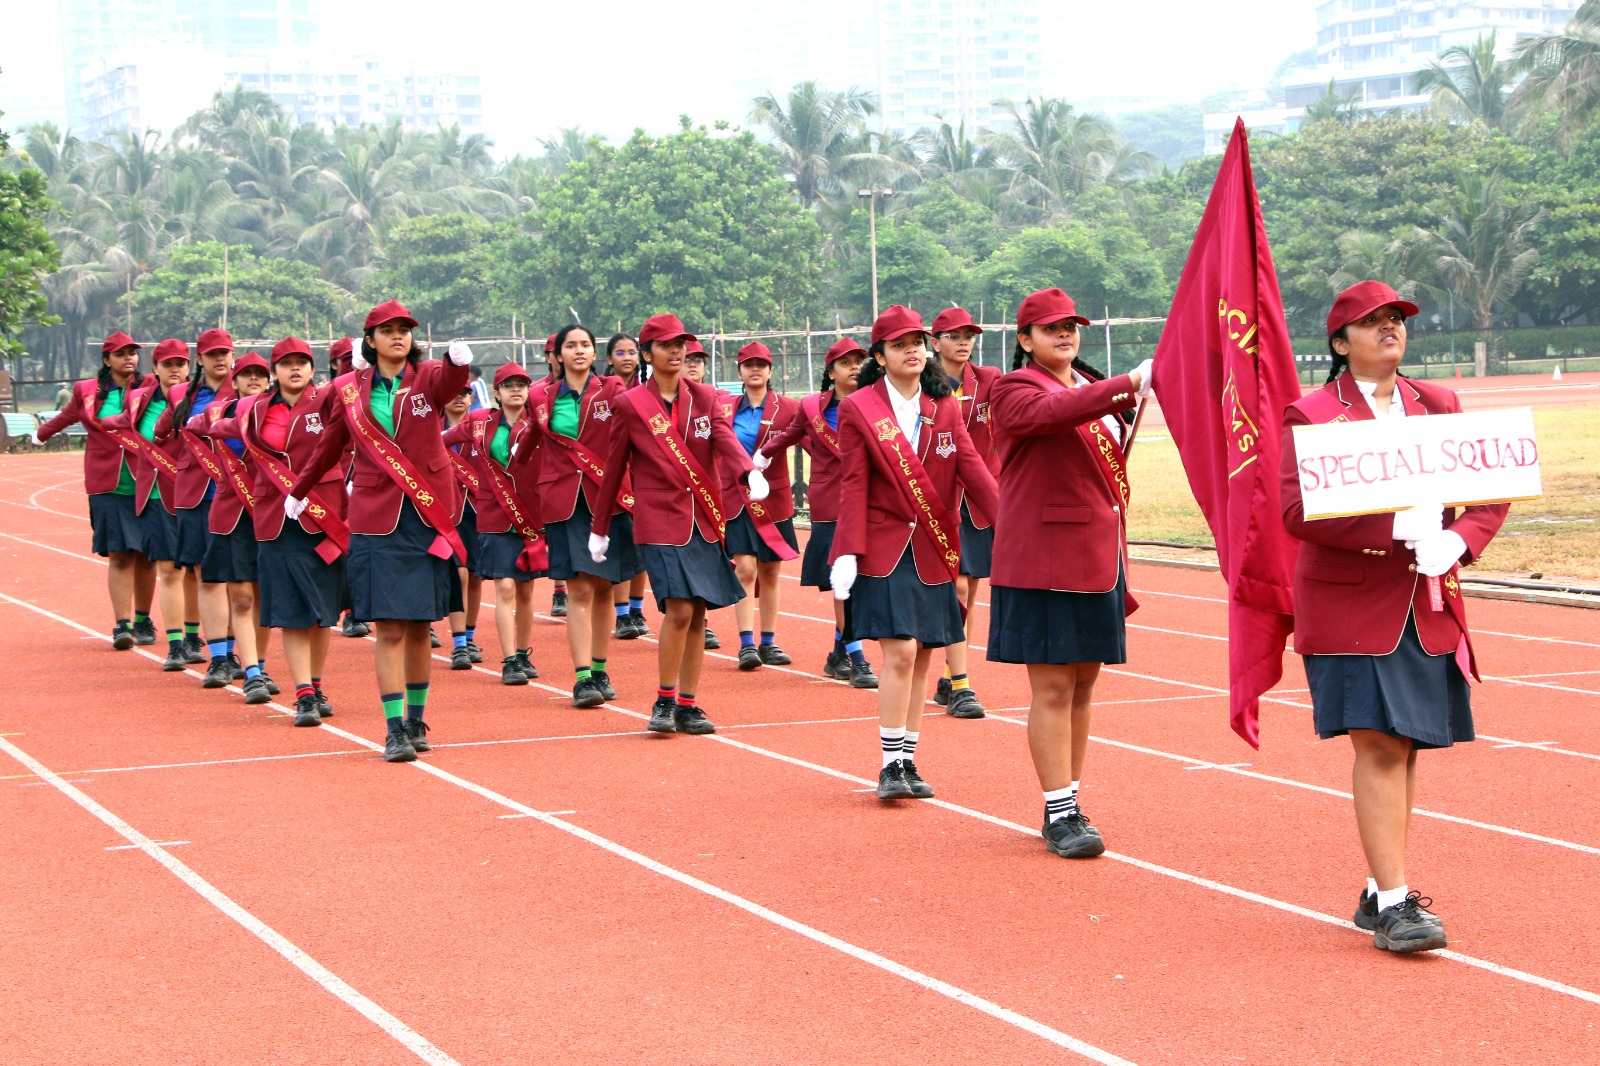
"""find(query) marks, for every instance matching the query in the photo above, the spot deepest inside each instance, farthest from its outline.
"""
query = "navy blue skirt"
(234, 556)
(744, 540)
(497, 557)
(392, 576)
(193, 536)
(977, 546)
(467, 529)
(1407, 693)
(569, 547)
(298, 589)
(815, 570)
(113, 524)
(902, 607)
(1042, 626)
(160, 532)
(698, 570)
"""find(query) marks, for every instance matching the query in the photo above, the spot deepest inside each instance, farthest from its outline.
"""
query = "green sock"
(393, 704)
(191, 629)
(599, 666)
(140, 617)
(416, 699)
(584, 673)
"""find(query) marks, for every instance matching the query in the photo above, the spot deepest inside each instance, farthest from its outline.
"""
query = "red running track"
(186, 879)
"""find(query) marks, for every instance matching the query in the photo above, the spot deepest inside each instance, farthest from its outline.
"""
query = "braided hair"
(180, 413)
(1339, 360)
(103, 383)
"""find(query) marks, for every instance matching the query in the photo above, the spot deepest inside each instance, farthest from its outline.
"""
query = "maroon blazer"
(977, 383)
(102, 456)
(875, 521)
(492, 516)
(145, 475)
(306, 441)
(664, 510)
(1354, 584)
(1057, 510)
(192, 477)
(558, 475)
(225, 506)
(778, 413)
(824, 489)
(374, 497)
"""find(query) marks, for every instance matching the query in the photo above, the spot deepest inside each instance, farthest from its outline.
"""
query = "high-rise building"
(1374, 49)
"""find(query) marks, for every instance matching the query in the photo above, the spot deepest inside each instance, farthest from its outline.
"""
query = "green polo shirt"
(112, 405)
(147, 430)
(383, 398)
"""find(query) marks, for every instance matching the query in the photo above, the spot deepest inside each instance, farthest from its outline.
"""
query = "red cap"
(694, 347)
(896, 321)
(1046, 306)
(509, 372)
(1360, 300)
(663, 328)
(292, 346)
(248, 361)
(340, 349)
(753, 351)
(388, 311)
(118, 340)
(213, 339)
(550, 344)
(953, 318)
(841, 348)
(171, 348)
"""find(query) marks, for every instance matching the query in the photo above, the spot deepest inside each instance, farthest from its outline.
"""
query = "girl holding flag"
(403, 544)
(1061, 610)
(905, 459)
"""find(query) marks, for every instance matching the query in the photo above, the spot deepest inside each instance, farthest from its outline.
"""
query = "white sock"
(1388, 897)
(1074, 790)
(893, 741)
(1059, 803)
(909, 745)
(1372, 886)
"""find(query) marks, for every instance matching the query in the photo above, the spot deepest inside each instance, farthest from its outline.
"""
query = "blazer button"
(1412, 567)
(1115, 508)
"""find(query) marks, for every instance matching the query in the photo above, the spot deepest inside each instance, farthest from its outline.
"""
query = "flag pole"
(1133, 430)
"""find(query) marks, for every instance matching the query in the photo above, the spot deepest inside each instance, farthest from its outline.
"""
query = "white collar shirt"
(1369, 393)
(1112, 423)
(907, 412)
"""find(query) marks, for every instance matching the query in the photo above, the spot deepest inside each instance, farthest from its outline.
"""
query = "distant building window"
(468, 81)
(349, 80)
(1391, 24)
(470, 101)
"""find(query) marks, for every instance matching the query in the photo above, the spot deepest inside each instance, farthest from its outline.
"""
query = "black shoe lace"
(416, 726)
(1413, 904)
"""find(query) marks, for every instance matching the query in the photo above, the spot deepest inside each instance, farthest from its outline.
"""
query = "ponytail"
(103, 388)
(1339, 361)
(180, 414)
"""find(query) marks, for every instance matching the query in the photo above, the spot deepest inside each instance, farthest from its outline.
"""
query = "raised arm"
(1025, 410)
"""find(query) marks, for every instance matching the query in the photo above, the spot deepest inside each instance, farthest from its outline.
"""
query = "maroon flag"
(1225, 372)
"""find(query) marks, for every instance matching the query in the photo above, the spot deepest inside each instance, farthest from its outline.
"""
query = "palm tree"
(1055, 153)
(1345, 109)
(1469, 83)
(570, 145)
(814, 133)
(1563, 69)
(948, 150)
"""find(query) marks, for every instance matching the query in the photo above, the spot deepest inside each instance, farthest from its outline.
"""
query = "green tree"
(1337, 108)
(913, 269)
(813, 133)
(267, 298)
(27, 254)
(441, 266)
(1469, 83)
(1563, 69)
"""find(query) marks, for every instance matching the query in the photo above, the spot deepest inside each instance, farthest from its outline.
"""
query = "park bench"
(18, 428)
(72, 435)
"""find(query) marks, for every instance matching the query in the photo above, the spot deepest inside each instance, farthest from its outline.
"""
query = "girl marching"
(574, 424)
(669, 439)
(464, 650)
(905, 458)
(623, 363)
(1060, 609)
(403, 544)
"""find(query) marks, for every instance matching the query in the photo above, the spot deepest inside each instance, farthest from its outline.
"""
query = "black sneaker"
(692, 720)
(324, 708)
(475, 652)
(624, 629)
(398, 747)
(773, 655)
(460, 658)
(176, 660)
(1409, 926)
(661, 719)
(861, 675)
(641, 628)
(122, 637)
(587, 694)
(305, 709)
(558, 603)
(525, 664)
(892, 783)
(1073, 837)
(964, 704)
(1366, 917)
(417, 733)
(144, 633)
(602, 681)
(194, 651)
(255, 692)
(920, 789)
(749, 658)
(272, 686)
(236, 667)
(941, 692)
(712, 643)
(511, 671)
(837, 666)
(219, 673)
(351, 628)
(433, 640)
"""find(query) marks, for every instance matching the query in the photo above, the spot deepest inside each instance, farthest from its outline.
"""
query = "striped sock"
(666, 692)
(191, 629)
(909, 745)
(686, 699)
(232, 644)
(218, 649)
(766, 637)
(1060, 803)
(394, 704)
(174, 639)
(598, 665)
(958, 682)
(622, 610)
(263, 664)
(747, 638)
(458, 640)
(141, 617)
(892, 740)
(838, 642)
(316, 685)
(585, 672)
(302, 691)
(416, 700)
(251, 672)
(472, 632)
(636, 603)
(853, 649)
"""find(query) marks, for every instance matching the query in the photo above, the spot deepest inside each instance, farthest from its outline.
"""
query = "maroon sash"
(535, 555)
(934, 519)
(587, 461)
(811, 407)
(336, 535)
(134, 443)
(467, 476)
(1112, 464)
(379, 447)
(701, 486)
(222, 466)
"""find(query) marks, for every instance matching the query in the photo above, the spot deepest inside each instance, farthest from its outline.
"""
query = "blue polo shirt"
(747, 422)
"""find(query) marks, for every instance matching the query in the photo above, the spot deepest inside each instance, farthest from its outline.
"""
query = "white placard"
(1386, 464)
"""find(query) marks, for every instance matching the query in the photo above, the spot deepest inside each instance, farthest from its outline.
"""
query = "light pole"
(871, 196)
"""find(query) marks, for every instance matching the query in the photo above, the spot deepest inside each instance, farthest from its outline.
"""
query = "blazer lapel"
(925, 434)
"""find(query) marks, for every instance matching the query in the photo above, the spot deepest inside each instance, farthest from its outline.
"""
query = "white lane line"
(407, 1037)
(53, 548)
(1541, 684)
(136, 847)
(202, 762)
(1561, 673)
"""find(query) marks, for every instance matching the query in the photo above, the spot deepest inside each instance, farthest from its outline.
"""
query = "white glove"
(1416, 523)
(758, 485)
(293, 508)
(460, 354)
(357, 360)
(760, 461)
(842, 576)
(598, 546)
(1438, 552)
(33, 438)
(513, 452)
(1146, 381)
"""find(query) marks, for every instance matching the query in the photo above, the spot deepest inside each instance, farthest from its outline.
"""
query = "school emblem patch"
(602, 409)
(702, 427)
(983, 411)
(314, 422)
(888, 428)
(659, 424)
(947, 445)
(420, 405)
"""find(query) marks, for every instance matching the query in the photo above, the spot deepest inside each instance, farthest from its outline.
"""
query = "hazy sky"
(608, 67)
